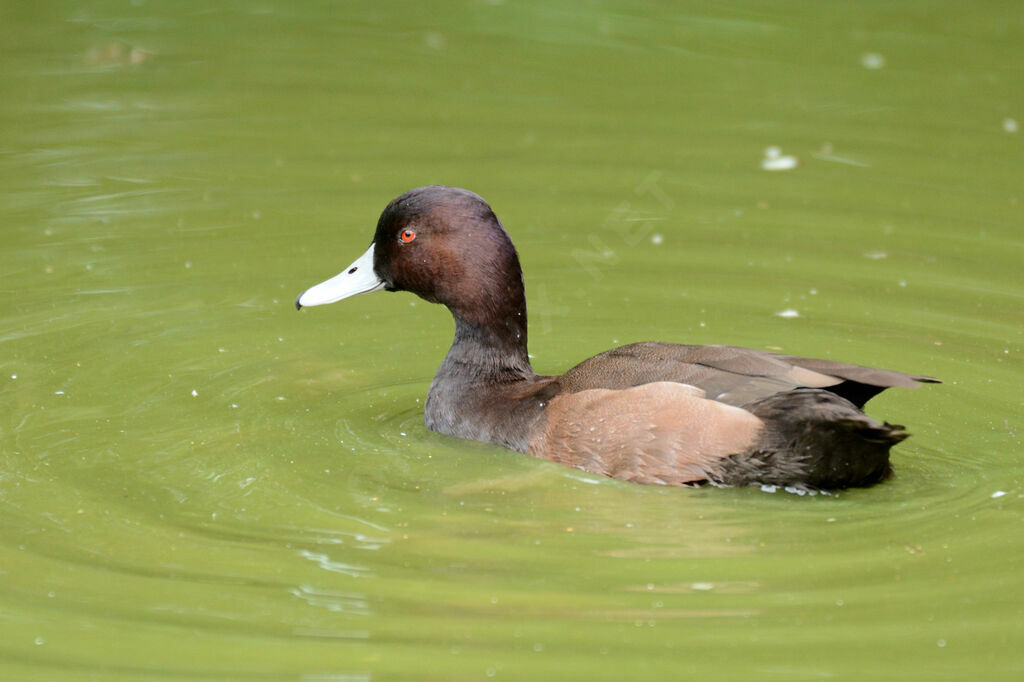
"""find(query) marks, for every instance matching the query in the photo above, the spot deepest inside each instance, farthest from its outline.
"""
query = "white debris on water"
(872, 60)
(657, 239)
(1010, 125)
(775, 160)
(998, 493)
(788, 313)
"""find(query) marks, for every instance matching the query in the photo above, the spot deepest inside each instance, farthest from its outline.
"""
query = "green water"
(197, 482)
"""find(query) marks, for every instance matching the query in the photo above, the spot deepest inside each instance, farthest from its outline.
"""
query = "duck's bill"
(358, 278)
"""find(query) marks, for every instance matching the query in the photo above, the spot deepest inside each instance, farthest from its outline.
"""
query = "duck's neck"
(473, 393)
(489, 348)
(477, 390)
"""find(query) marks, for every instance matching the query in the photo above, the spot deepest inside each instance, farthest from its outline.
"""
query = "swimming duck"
(658, 413)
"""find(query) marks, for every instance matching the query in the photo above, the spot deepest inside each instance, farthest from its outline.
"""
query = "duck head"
(447, 246)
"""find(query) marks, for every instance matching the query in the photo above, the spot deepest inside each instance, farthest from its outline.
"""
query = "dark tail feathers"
(814, 439)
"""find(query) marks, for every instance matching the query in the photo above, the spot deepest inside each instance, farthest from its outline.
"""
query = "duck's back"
(729, 374)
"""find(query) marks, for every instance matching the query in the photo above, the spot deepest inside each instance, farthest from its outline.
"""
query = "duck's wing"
(732, 375)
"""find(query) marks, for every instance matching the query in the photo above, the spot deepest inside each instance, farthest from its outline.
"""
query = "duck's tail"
(814, 439)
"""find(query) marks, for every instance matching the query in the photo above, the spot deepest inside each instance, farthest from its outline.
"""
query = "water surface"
(197, 482)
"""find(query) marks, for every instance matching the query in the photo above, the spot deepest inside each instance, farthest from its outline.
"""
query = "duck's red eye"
(407, 235)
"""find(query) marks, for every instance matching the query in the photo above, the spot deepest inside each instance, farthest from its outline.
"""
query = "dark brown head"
(445, 245)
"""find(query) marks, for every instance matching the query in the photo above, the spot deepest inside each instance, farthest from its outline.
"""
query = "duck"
(649, 412)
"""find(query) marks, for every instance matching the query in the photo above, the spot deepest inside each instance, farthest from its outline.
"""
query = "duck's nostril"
(352, 270)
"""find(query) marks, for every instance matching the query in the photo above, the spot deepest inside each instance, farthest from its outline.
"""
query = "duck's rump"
(812, 438)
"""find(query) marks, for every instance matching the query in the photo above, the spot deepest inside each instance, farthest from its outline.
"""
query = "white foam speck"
(998, 493)
(703, 587)
(788, 313)
(1010, 125)
(775, 160)
(194, 393)
(657, 239)
(872, 60)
